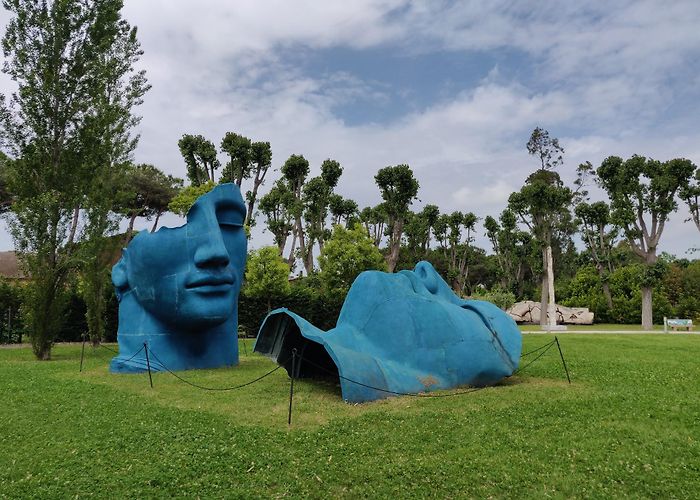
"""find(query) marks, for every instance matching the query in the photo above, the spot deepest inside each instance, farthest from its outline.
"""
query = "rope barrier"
(414, 394)
(546, 347)
(159, 364)
(204, 388)
(538, 349)
(549, 346)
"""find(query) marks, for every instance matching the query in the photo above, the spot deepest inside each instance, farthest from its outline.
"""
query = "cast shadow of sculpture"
(178, 289)
(398, 333)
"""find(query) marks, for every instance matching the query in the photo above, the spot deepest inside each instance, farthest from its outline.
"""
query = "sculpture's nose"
(212, 252)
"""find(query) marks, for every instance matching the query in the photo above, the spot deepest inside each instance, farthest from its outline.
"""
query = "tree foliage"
(345, 255)
(642, 195)
(183, 201)
(200, 158)
(266, 274)
(398, 188)
(276, 206)
(145, 191)
(69, 127)
(690, 194)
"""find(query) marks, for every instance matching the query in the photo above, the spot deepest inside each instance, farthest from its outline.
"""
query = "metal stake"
(82, 353)
(562, 359)
(148, 364)
(291, 385)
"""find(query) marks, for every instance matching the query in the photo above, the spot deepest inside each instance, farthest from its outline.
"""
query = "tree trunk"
(647, 318)
(291, 258)
(130, 230)
(251, 202)
(74, 225)
(545, 290)
(552, 307)
(608, 295)
(395, 245)
(280, 246)
(305, 250)
(155, 224)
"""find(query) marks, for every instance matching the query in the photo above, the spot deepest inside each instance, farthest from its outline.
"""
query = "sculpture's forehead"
(224, 199)
(224, 204)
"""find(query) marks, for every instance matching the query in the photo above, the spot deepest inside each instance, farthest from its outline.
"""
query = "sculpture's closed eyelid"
(230, 216)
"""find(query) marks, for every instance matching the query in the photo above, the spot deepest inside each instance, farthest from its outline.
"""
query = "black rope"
(414, 394)
(549, 346)
(423, 394)
(117, 353)
(538, 349)
(210, 388)
(108, 348)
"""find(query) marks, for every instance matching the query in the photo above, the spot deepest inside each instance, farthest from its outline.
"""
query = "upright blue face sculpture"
(178, 289)
(404, 333)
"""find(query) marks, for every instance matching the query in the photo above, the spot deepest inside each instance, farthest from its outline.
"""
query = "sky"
(451, 88)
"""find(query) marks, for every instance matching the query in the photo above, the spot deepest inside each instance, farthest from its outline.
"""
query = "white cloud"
(604, 72)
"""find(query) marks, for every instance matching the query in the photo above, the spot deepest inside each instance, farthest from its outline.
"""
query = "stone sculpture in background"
(528, 311)
(398, 333)
(178, 289)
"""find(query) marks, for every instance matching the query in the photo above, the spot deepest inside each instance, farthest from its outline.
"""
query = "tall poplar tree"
(68, 126)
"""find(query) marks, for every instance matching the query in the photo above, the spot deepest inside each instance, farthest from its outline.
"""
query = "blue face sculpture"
(178, 288)
(405, 332)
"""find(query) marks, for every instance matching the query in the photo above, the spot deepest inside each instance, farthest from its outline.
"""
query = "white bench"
(676, 323)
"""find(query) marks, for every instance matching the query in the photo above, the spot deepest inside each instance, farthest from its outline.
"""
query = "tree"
(398, 188)
(449, 231)
(69, 128)
(295, 170)
(542, 205)
(547, 149)
(5, 195)
(262, 160)
(183, 201)
(594, 221)
(276, 207)
(642, 195)
(240, 152)
(374, 219)
(342, 209)
(317, 196)
(345, 255)
(200, 157)
(266, 275)
(690, 194)
(145, 192)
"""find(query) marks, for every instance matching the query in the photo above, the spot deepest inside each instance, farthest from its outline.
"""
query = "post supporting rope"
(291, 385)
(148, 364)
(562, 359)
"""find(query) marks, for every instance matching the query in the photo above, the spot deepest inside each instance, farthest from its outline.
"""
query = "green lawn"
(629, 425)
(605, 327)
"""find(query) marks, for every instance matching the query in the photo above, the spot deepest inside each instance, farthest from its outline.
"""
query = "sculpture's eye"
(229, 217)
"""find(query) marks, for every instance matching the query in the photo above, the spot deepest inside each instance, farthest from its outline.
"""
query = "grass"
(629, 425)
(603, 327)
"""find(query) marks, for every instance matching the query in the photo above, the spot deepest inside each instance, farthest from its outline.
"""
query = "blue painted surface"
(178, 289)
(405, 332)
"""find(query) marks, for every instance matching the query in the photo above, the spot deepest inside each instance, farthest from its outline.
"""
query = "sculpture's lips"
(211, 283)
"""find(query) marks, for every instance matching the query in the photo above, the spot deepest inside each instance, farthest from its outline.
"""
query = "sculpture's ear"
(120, 274)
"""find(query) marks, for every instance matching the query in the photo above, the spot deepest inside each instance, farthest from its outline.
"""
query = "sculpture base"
(554, 328)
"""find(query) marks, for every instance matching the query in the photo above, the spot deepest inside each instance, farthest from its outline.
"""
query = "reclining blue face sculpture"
(178, 289)
(400, 333)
